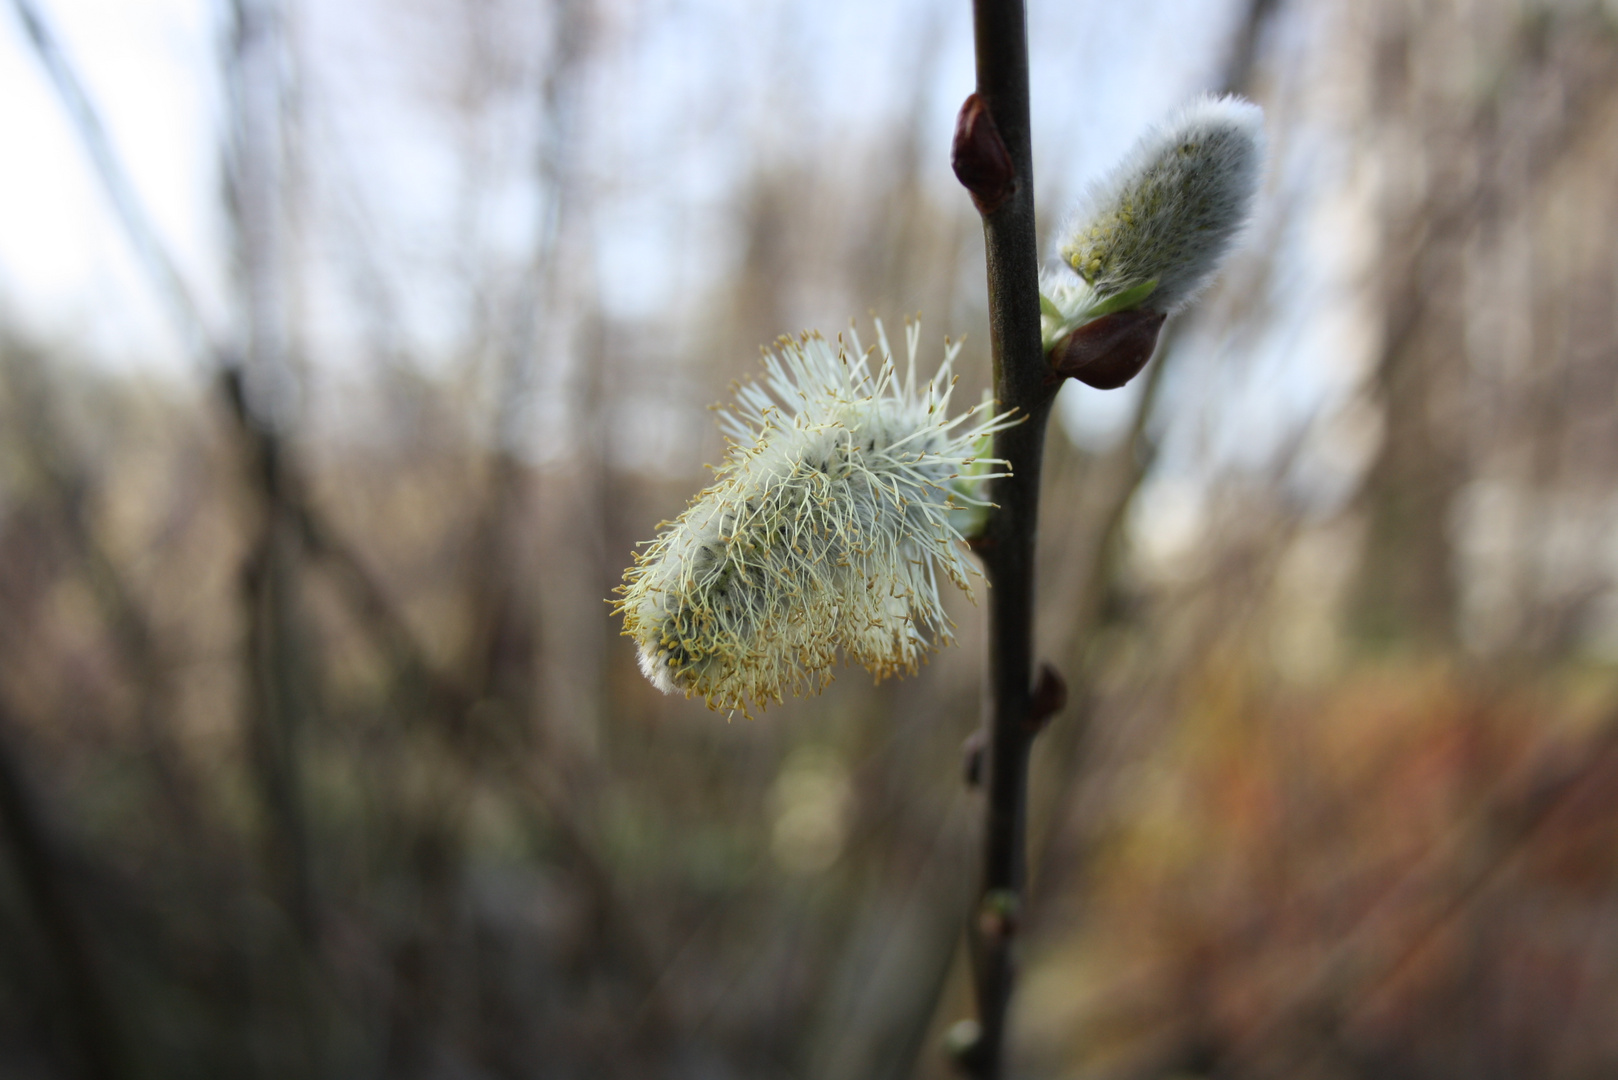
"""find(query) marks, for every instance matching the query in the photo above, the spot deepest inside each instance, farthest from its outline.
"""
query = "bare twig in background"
(148, 245)
(279, 702)
(39, 864)
(69, 486)
(1486, 168)
(263, 444)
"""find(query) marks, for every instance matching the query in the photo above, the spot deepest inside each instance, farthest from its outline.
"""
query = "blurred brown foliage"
(319, 755)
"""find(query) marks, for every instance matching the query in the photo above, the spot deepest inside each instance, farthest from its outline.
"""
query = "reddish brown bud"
(972, 757)
(1111, 350)
(1049, 697)
(999, 913)
(979, 157)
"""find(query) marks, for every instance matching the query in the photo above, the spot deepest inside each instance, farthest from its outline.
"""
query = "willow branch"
(992, 157)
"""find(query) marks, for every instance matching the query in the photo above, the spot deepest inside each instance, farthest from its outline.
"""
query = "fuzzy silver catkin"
(1167, 214)
(831, 521)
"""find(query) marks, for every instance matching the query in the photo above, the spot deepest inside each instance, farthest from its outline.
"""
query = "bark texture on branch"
(992, 136)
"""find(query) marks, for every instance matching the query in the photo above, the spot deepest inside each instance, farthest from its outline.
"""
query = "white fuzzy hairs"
(840, 504)
(1154, 229)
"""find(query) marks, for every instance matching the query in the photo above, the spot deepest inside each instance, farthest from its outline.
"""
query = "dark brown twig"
(992, 136)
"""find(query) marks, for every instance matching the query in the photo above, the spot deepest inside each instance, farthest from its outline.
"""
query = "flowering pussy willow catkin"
(1151, 233)
(840, 505)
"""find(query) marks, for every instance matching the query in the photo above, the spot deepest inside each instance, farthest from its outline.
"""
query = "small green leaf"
(1047, 306)
(1125, 300)
(1002, 902)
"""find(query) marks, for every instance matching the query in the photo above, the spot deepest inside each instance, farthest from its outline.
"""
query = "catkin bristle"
(826, 531)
